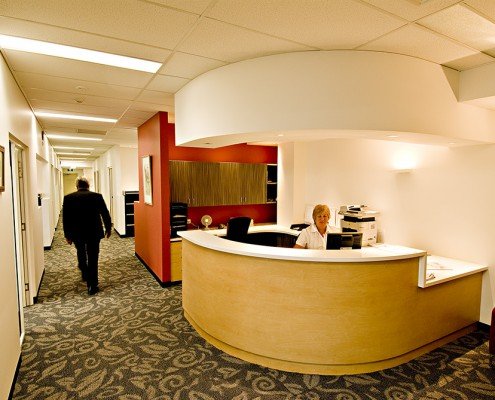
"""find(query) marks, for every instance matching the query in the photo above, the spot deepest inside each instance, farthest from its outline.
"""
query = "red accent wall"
(151, 222)
(156, 137)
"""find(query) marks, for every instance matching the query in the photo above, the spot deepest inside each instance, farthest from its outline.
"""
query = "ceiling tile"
(128, 124)
(194, 6)
(131, 121)
(76, 99)
(419, 42)
(463, 25)
(485, 7)
(136, 21)
(165, 83)
(135, 113)
(410, 9)
(152, 107)
(155, 97)
(75, 86)
(188, 65)
(96, 111)
(65, 68)
(221, 41)
(469, 62)
(69, 37)
(338, 24)
(60, 125)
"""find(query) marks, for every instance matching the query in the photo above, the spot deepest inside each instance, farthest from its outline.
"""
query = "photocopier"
(358, 218)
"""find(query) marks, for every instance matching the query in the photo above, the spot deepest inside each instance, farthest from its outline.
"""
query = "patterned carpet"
(131, 342)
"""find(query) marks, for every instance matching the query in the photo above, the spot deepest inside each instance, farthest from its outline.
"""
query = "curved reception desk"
(322, 311)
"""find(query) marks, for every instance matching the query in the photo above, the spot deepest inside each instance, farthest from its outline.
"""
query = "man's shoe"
(93, 290)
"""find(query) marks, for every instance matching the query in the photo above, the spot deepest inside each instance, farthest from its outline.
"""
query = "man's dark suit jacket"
(82, 214)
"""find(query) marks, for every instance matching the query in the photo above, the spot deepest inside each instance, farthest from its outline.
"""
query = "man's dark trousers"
(87, 257)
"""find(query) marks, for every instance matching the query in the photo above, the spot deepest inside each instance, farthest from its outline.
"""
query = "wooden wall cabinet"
(212, 184)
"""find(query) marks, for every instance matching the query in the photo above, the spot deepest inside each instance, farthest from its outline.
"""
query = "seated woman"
(315, 236)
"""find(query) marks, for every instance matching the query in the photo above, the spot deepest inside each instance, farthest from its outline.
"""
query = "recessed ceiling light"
(53, 136)
(71, 116)
(76, 53)
(73, 148)
(280, 135)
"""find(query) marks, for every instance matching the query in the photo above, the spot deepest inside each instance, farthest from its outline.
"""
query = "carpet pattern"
(131, 342)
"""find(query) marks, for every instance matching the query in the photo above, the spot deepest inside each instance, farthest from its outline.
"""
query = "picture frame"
(147, 180)
(2, 169)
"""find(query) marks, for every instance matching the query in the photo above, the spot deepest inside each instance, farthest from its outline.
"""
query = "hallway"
(130, 341)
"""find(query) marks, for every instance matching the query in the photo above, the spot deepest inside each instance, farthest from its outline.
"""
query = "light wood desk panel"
(317, 317)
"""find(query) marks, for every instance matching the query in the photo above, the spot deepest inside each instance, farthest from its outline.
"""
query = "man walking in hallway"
(82, 215)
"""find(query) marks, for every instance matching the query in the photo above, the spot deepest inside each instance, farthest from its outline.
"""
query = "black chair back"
(237, 228)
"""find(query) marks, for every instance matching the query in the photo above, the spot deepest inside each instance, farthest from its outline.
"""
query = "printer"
(358, 218)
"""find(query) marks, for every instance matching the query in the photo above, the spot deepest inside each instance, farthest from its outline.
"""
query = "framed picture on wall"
(2, 169)
(147, 184)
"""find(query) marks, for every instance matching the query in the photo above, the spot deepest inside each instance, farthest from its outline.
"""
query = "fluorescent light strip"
(71, 116)
(73, 148)
(73, 154)
(52, 136)
(76, 53)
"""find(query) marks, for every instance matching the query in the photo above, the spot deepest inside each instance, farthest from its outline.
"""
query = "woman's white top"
(310, 238)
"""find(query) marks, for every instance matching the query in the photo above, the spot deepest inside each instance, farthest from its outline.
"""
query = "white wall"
(17, 123)
(124, 164)
(444, 205)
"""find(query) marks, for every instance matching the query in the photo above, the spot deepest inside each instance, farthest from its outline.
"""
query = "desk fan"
(206, 221)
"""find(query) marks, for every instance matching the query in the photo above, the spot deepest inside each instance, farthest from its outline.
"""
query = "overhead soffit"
(376, 91)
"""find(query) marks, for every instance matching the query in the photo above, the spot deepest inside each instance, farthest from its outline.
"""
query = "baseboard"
(12, 388)
(483, 327)
(47, 248)
(162, 284)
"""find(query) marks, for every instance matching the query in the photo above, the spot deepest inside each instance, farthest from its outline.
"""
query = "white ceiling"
(191, 37)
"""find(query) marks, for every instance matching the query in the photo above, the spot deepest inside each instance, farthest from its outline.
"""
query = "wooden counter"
(322, 312)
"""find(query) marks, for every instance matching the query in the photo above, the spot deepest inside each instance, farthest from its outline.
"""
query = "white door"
(110, 191)
(19, 216)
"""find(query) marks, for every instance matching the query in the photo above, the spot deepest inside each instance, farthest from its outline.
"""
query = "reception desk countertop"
(213, 239)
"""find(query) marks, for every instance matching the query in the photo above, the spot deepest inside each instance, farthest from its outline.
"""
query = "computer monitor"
(344, 240)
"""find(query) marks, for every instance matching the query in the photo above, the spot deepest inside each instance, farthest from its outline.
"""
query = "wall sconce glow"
(52, 136)
(404, 162)
(71, 116)
(76, 53)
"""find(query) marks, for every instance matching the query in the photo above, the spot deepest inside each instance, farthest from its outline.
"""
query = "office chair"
(299, 227)
(237, 228)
